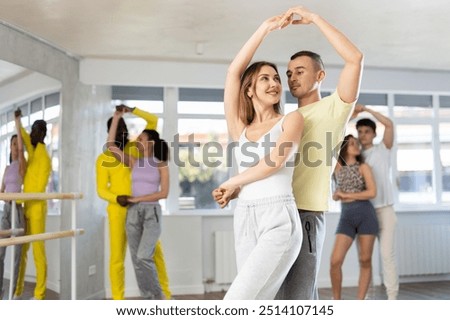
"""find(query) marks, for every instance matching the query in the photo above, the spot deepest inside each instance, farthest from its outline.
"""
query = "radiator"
(423, 250)
(225, 258)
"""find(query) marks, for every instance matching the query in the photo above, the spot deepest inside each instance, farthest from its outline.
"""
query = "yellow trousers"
(35, 217)
(118, 244)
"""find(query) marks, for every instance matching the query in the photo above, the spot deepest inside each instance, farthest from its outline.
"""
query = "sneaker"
(17, 297)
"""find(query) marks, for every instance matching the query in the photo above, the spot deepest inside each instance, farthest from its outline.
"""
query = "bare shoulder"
(364, 167)
(293, 118)
(337, 168)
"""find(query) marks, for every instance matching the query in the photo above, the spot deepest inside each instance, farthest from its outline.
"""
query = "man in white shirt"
(378, 156)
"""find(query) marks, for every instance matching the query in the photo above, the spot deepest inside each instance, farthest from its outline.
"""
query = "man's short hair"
(41, 124)
(366, 123)
(314, 56)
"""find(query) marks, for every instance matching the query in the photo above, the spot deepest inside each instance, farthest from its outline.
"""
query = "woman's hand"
(224, 194)
(132, 200)
(343, 196)
(297, 15)
(274, 23)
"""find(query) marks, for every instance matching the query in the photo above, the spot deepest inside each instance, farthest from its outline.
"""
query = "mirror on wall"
(38, 96)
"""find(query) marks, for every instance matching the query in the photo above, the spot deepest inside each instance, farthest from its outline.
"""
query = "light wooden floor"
(438, 290)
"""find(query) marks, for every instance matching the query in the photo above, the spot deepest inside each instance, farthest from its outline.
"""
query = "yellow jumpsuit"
(113, 179)
(35, 180)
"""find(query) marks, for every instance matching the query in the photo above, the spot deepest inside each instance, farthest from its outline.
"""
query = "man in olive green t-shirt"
(325, 121)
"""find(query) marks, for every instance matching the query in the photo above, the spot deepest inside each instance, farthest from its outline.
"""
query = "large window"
(415, 164)
(204, 159)
(417, 159)
(193, 124)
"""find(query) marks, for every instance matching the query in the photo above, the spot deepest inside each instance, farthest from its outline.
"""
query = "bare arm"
(336, 192)
(388, 137)
(289, 138)
(236, 69)
(371, 190)
(111, 141)
(22, 161)
(350, 77)
(2, 189)
(164, 188)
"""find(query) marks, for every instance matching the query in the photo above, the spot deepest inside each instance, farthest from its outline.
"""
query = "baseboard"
(348, 281)
(176, 290)
(100, 295)
(54, 286)
(424, 278)
(216, 287)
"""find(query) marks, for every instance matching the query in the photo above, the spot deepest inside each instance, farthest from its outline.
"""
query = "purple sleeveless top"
(145, 177)
(12, 179)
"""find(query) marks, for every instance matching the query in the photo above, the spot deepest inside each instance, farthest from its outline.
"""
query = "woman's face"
(143, 143)
(267, 87)
(353, 148)
(14, 148)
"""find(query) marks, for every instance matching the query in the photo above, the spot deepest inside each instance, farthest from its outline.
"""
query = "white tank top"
(249, 153)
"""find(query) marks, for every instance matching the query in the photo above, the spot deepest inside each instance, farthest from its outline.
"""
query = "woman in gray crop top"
(354, 187)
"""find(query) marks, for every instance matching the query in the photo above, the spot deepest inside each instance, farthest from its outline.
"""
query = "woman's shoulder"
(364, 167)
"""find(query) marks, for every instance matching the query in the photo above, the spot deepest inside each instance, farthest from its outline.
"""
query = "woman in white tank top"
(266, 223)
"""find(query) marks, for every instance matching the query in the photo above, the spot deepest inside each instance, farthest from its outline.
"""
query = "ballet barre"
(11, 232)
(40, 237)
(14, 240)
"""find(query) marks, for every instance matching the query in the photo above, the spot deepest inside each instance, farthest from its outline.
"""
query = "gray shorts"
(357, 217)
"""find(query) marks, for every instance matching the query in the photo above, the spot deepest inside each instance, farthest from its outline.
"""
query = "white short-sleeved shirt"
(378, 157)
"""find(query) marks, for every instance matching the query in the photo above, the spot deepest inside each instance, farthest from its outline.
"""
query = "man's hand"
(18, 113)
(358, 109)
(122, 200)
(124, 108)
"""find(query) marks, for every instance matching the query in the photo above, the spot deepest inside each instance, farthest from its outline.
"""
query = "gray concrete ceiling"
(406, 34)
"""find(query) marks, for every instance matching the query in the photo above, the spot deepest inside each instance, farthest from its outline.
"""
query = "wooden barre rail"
(11, 232)
(40, 236)
(39, 196)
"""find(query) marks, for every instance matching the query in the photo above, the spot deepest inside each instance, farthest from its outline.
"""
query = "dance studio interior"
(71, 62)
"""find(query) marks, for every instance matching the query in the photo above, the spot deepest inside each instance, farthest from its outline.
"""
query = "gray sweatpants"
(143, 231)
(268, 238)
(301, 281)
(6, 225)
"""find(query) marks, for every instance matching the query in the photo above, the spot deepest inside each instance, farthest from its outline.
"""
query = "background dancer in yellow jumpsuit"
(36, 179)
(114, 185)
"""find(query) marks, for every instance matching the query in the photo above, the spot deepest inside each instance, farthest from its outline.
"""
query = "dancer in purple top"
(150, 183)
(12, 182)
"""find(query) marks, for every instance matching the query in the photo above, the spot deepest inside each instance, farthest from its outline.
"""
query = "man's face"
(366, 136)
(37, 134)
(303, 76)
